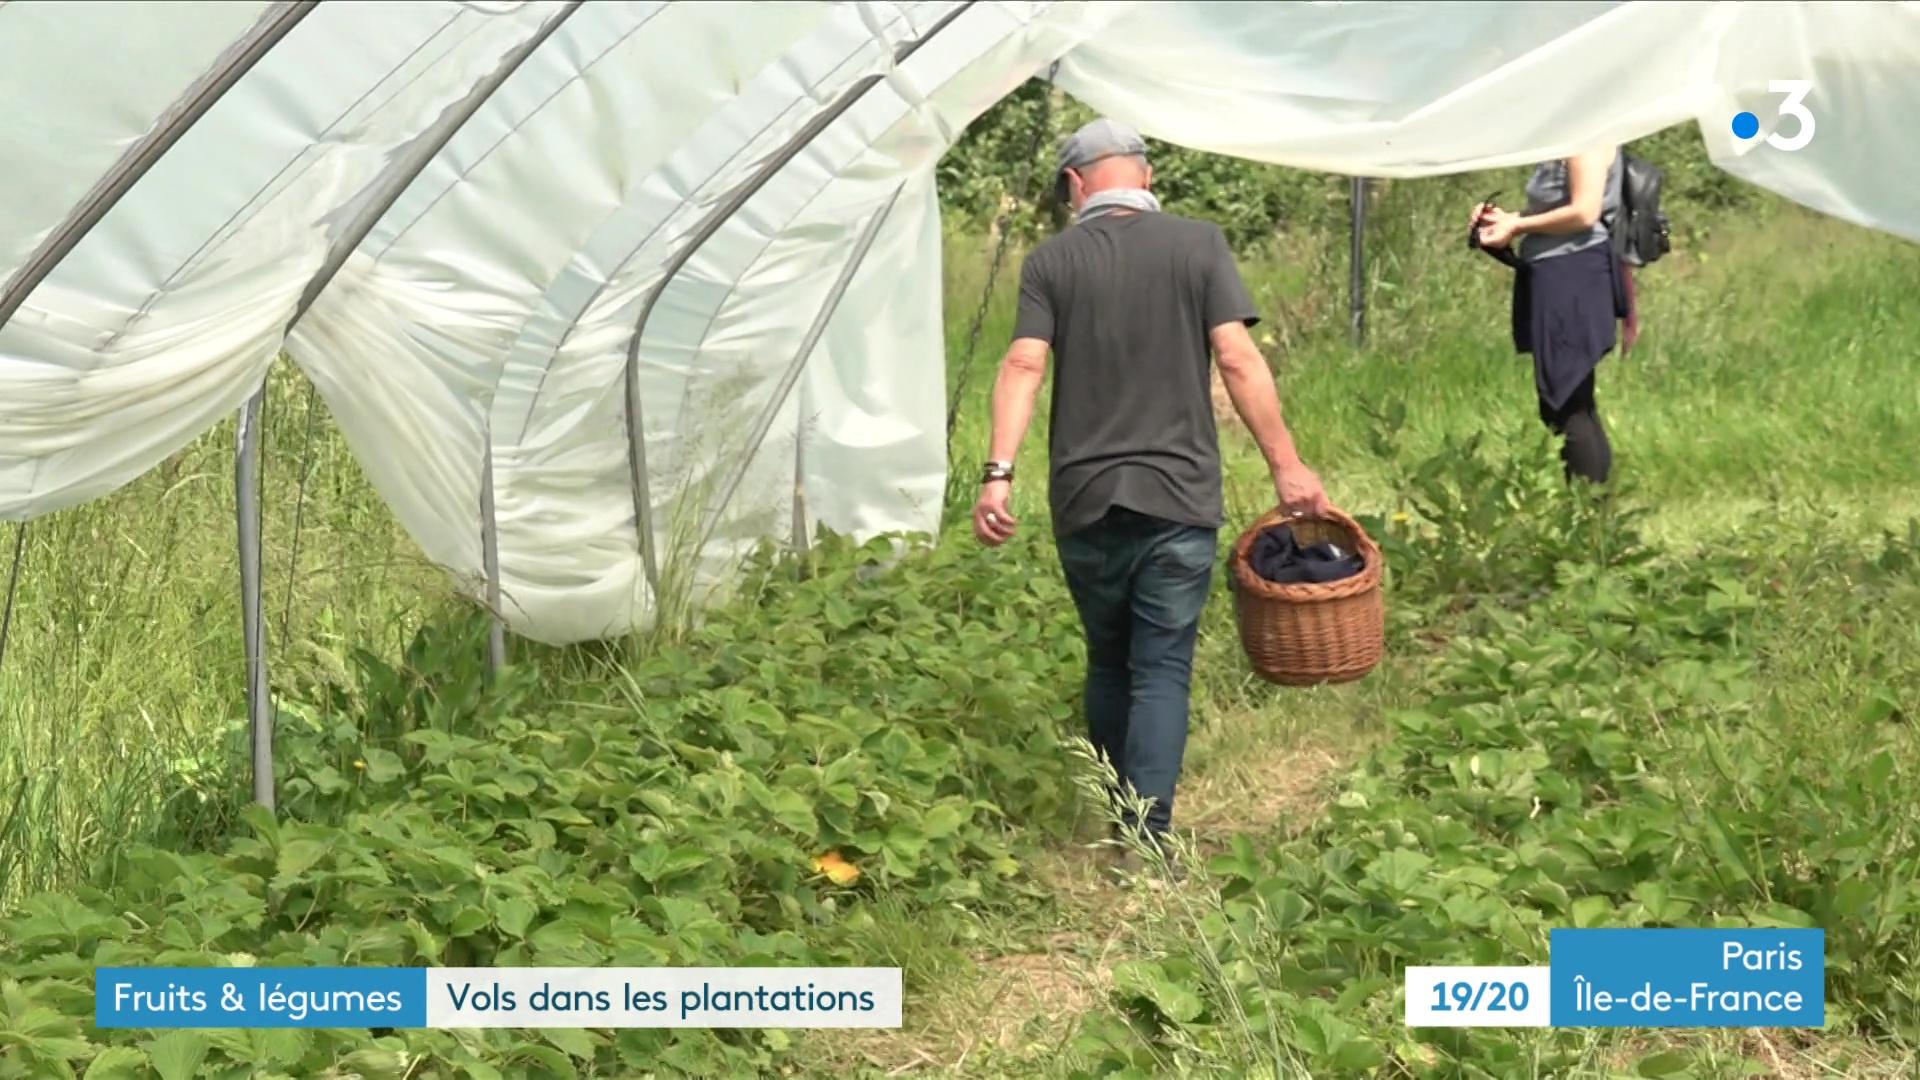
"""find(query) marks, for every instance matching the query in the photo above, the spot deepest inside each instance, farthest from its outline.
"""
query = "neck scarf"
(1112, 199)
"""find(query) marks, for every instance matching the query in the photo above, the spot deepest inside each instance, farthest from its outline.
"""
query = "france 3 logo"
(1746, 125)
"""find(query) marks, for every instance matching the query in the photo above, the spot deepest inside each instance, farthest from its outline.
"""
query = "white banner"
(663, 997)
(1478, 997)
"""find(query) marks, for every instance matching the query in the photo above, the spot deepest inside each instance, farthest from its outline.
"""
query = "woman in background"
(1569, 287)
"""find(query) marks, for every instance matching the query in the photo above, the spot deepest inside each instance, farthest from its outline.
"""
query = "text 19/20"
(1480, 996)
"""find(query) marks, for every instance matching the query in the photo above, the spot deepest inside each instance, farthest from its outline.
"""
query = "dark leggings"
(1584, 447)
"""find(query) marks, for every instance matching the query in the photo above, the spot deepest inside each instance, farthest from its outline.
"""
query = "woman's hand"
(1498, 228)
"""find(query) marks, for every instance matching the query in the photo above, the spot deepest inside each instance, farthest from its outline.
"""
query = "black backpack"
(1643, 236)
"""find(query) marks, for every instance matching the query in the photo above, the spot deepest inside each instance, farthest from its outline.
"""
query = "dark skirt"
(1564, 309)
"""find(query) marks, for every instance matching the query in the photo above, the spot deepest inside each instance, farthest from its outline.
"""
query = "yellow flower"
(838, 870)
(359, 764)
(1401, 517)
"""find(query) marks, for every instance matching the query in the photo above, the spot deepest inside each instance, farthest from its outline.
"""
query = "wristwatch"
(997, 470)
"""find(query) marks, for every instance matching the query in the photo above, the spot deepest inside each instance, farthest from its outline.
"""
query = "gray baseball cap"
(1097, 140)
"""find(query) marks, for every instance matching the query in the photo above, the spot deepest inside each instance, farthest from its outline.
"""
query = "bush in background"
(1251, 201)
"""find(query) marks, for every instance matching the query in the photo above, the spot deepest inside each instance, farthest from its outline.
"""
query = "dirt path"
(1021, 997)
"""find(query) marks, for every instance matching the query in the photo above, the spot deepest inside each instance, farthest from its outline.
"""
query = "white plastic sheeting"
(1411, 89)
(497, 300)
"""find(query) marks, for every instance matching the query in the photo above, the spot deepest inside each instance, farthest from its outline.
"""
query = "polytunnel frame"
(380, 195)
(200, 95)
(169, 127)
(227, 70)
(715, 220)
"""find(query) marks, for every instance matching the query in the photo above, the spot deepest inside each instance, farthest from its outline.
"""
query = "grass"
(122, 689)
(1770, 391)
(1771, 370)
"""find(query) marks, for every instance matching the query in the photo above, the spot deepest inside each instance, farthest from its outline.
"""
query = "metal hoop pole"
(246, 480)
(490, 557)
(414, 157)
(13, 587)
(1357, 262)
(639, 477)
(801, 542)
(299, 514)
(861, 245)
(239, 58)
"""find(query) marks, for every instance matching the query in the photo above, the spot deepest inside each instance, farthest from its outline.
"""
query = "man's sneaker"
(1132, 867)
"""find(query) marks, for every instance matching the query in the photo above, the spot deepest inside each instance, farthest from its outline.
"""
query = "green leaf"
(1591, 911)
(375, 1061)
(1308, 1033)
(1877, 710)
(1358, 1055)
(117, 1063)
(1356, 993)
(281, 1046)
(563, 945)
(424, 942)
(906, 842)
(177, 1055)
(513, 914)
(61, 1049)
(1179, 1003)
(297, 857)
(1664, 1063)
(573, 1041)
(942, 820)
(480, 1070)
(261, 1046)
(465, 921)
(791, 809)
(1285, 906)
(1728, 851)
(1400, 869)
(1879, 771)
(552, 1063)
(382, 765)
(1851, 899)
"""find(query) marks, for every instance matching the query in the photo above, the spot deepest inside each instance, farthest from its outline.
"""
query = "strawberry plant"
(909, 724)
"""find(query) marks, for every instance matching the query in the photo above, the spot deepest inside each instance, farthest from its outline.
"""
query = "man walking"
(1130, 300)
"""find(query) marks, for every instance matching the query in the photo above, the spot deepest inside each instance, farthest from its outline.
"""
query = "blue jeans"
(1140, 584)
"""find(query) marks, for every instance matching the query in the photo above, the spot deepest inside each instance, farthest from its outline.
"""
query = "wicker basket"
(1311, 632)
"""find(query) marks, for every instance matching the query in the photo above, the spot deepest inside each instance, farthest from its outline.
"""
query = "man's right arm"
(1255, 398)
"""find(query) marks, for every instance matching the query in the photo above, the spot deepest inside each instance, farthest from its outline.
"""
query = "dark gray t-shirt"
(1126, 302)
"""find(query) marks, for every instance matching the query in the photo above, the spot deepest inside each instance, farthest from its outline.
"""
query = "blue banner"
(1688, 978)
(260, 997)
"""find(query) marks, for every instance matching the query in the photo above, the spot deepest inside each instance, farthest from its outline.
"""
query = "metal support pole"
(202, 94)
(862, 244)
(1357, 262)
(246, 480)
(490, 556)
(801, 542)
(13, 587)
(729, 205)
(413, 157)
